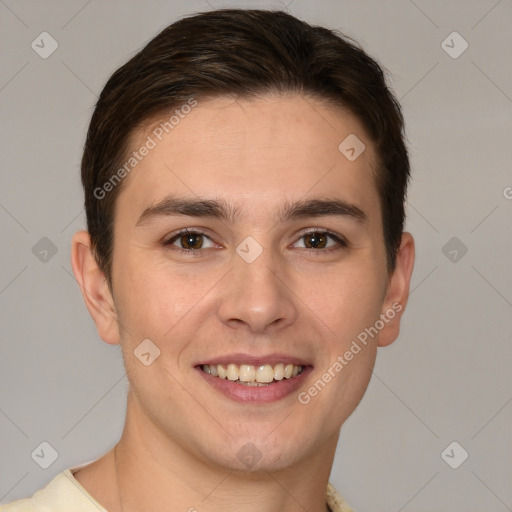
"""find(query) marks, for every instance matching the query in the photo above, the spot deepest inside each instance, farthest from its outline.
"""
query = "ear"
(397, 291)
(94, 287)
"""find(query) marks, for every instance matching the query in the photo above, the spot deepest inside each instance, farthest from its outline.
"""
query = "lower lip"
(256, 394)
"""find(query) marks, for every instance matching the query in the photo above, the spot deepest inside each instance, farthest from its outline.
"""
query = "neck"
(154, 473)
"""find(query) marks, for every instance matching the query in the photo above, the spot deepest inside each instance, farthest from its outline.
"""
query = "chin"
(254, 455)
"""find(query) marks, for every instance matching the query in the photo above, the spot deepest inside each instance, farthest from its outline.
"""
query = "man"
(244, 178)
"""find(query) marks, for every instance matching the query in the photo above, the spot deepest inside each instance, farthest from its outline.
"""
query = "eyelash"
(342, 242)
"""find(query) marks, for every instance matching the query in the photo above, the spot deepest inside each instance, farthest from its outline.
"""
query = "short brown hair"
(242, 53)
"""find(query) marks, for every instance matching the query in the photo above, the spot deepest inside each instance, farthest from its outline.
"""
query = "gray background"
(447, 378)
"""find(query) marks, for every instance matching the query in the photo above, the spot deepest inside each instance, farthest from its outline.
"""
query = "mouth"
(255, 381)
(251, 375)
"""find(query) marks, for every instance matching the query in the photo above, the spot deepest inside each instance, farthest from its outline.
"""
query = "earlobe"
(94, 287)
(398, 291)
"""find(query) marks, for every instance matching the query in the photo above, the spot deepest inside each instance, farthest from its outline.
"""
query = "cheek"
(150, 309)
(345, 301)
(345, 369)
(161, 303)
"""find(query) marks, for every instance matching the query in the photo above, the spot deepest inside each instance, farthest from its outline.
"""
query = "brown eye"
(315, 240)
(321, 241)
(191, 240)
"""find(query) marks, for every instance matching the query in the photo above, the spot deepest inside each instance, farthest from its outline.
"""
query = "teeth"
(246, 373)
(251, 375)
(232, 372)
(264, 373)
(220, 370)
(279, 371)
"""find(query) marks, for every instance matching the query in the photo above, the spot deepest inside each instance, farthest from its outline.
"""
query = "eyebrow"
(219, 209)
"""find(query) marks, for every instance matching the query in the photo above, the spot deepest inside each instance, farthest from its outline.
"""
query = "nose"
(258, 296)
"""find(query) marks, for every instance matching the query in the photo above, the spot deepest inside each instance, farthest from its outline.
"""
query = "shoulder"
(61, 494)
(335, 501)
(24, 505)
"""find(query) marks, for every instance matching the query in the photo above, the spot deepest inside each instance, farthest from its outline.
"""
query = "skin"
(181, 436)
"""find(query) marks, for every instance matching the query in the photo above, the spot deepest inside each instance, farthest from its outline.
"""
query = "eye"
(321, 240)
(190, 241)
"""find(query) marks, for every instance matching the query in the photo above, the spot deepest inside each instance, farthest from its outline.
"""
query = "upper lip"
(241, 358)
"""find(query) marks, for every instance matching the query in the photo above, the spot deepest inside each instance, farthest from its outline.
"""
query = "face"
(247, 244)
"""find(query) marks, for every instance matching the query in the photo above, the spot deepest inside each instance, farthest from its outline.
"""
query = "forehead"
(253, 152)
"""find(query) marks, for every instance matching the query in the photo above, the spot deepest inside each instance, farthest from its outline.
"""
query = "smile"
(257, 383)
(251, 375)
